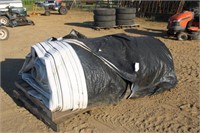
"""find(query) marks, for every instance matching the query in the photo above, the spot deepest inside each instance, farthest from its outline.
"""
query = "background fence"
(161, 9)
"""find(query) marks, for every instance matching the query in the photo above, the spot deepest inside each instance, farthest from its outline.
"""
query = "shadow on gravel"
(148, 32)
(87, 24)
(9, 74)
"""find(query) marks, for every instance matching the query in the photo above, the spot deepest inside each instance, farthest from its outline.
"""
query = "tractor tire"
(195, 36)
(108, 24)
(63, 10)
(4, 20)
(4, 33)
(47, 13)
(170, 32)
(98, 18)
(13, 23)
(125, 16)
(125, 10)
(104, 11)
(125, 22)
(182, 36)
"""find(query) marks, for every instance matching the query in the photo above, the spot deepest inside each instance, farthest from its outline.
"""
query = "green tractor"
(14, 16)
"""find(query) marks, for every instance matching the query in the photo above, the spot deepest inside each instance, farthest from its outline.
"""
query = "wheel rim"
(3, 21)
(47, 13)
(63, 10)
(183, 37)
(3, 34)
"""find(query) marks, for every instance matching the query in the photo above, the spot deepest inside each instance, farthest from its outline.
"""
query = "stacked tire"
(125, 16)
(104, 17)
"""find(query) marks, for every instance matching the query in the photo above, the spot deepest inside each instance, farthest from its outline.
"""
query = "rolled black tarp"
(105, 66)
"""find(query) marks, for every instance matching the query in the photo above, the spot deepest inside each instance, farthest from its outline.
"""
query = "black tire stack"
(125, 16)
(104, 17)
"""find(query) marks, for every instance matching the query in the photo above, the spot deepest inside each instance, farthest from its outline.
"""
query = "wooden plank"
(105, 28)
(54, 116)
(117, 26)
(35, 110)
(129, 26)
(61, 116)
(16, 94)
(36, 107)
(153, 6)
(23, 83)
(25, 87)
(180, 7)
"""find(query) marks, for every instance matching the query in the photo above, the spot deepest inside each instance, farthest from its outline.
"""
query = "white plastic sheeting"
(55, 72)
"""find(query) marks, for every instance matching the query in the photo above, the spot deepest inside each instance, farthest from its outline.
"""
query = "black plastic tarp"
(108, 83)
(156, 69)
(104, 85)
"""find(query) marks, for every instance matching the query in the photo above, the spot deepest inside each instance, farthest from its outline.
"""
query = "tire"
(63, 10)
(104, 18)
(104, 11)
(105, 24)
(4, 20)
(170, 32)
(195, 36)
(13, 23)
(47, 13)
(125, 10)
(125, 16)
(4, 33)
(125, 22)
(182, 36)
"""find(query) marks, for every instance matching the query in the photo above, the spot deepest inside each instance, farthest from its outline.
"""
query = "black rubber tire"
(4, 20)
(125, 16)
(108, 24)
(170, 32)
(182, 36)
(13, 23)
(104, 11)
(125, 10)
(195, 36)
(125, 22)
(4, 34)
(99, 18)
(47, 13)
(63, 10)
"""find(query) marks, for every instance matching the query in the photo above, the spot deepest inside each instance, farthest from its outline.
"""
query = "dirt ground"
(177, 110)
